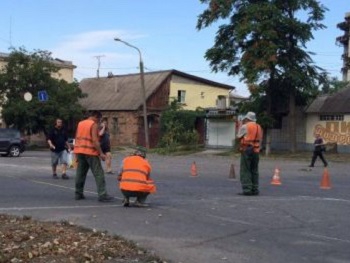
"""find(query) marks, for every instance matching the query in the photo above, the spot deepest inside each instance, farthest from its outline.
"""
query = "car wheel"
(15, 151)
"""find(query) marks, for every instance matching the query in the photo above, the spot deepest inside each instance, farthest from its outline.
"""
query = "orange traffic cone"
(194, 169)
(232, 174)
(325, 183)
(276, 180)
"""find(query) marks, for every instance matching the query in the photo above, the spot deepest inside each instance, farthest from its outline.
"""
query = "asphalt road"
(200, 219)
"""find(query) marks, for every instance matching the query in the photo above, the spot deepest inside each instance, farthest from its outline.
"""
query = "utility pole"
(143, 90)
(98, 64)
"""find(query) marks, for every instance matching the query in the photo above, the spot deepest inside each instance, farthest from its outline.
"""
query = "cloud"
(92, 40)
(84, 49)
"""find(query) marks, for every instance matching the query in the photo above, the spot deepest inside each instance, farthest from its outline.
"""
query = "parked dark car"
(11, 142)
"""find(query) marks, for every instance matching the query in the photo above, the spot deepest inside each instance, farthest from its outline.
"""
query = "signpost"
(28, 96)
(43, 96)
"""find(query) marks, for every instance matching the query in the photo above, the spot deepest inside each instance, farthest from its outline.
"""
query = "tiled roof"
(123, 92)
(336, 103)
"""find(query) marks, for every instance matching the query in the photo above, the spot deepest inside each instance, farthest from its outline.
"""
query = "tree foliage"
(264, 42)
(333, 85)
(33, 72)
(178, 126)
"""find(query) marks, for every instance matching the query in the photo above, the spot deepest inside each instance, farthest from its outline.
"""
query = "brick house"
(119, 98)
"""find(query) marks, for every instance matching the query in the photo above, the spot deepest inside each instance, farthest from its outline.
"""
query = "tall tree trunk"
(292, 121)
(268, 130)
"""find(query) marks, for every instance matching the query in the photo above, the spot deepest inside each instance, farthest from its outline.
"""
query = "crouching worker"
(134, 178)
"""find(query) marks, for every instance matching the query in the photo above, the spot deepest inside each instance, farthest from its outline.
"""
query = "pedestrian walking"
(319, 148)
(58, 143)
(250, 135)
(89, 155)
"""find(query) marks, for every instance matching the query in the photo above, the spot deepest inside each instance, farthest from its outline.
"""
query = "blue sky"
(164, 31)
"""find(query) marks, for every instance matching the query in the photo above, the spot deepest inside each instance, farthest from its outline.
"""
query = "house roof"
(123, 92)
(317, 104)
(58, 62)
(337, 103)
(236, 96)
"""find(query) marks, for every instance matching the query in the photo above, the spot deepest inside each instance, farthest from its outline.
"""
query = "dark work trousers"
(86, 162)
(249, 173)
(319, 154)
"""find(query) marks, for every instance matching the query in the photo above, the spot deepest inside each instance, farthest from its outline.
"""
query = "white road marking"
(327, 238)
(54, 207)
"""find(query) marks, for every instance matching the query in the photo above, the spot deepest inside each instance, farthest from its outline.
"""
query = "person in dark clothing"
(319, 148)
(106, 145)
(58, 142)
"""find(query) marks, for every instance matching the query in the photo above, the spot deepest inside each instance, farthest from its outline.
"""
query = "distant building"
(65, 72)
(329, 115)
(235, 98)
(119, 98)
(344, 41)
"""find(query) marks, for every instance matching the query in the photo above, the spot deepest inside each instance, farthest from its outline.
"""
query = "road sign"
(28, 96)
(43, 96)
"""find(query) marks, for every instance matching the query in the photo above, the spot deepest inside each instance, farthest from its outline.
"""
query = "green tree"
(178, 127)
(33, 72)
(264, 42)
(333, 85)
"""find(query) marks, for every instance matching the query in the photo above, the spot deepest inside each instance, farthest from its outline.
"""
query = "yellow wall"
(197, 93)
(2, 64)
(65, 73)
(331, 131)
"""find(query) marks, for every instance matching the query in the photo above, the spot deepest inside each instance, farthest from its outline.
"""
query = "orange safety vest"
(83, 139)
(252, 137)
(135, 175)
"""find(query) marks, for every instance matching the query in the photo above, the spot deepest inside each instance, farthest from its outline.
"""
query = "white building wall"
(337, 132)
(331, 131)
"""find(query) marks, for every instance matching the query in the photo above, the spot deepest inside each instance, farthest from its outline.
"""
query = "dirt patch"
(25, 240)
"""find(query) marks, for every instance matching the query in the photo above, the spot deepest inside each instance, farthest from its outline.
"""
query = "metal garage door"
(220, 133)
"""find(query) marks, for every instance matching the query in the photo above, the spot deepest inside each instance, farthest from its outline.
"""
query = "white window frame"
(330, 117)
(181, 96)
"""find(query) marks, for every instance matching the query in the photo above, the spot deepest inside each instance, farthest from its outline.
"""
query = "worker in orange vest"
(89, 155)
(250, 135)
(134, 178)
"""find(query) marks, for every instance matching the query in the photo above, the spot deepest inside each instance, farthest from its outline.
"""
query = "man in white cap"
(250, 135)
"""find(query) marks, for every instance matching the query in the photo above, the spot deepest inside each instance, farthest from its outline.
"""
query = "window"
(181, 96)
(115, 126)
(331, 117)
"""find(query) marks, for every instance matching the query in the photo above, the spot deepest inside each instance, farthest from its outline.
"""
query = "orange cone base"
(276, 182)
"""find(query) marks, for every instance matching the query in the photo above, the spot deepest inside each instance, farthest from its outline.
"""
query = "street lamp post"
(145, 122)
